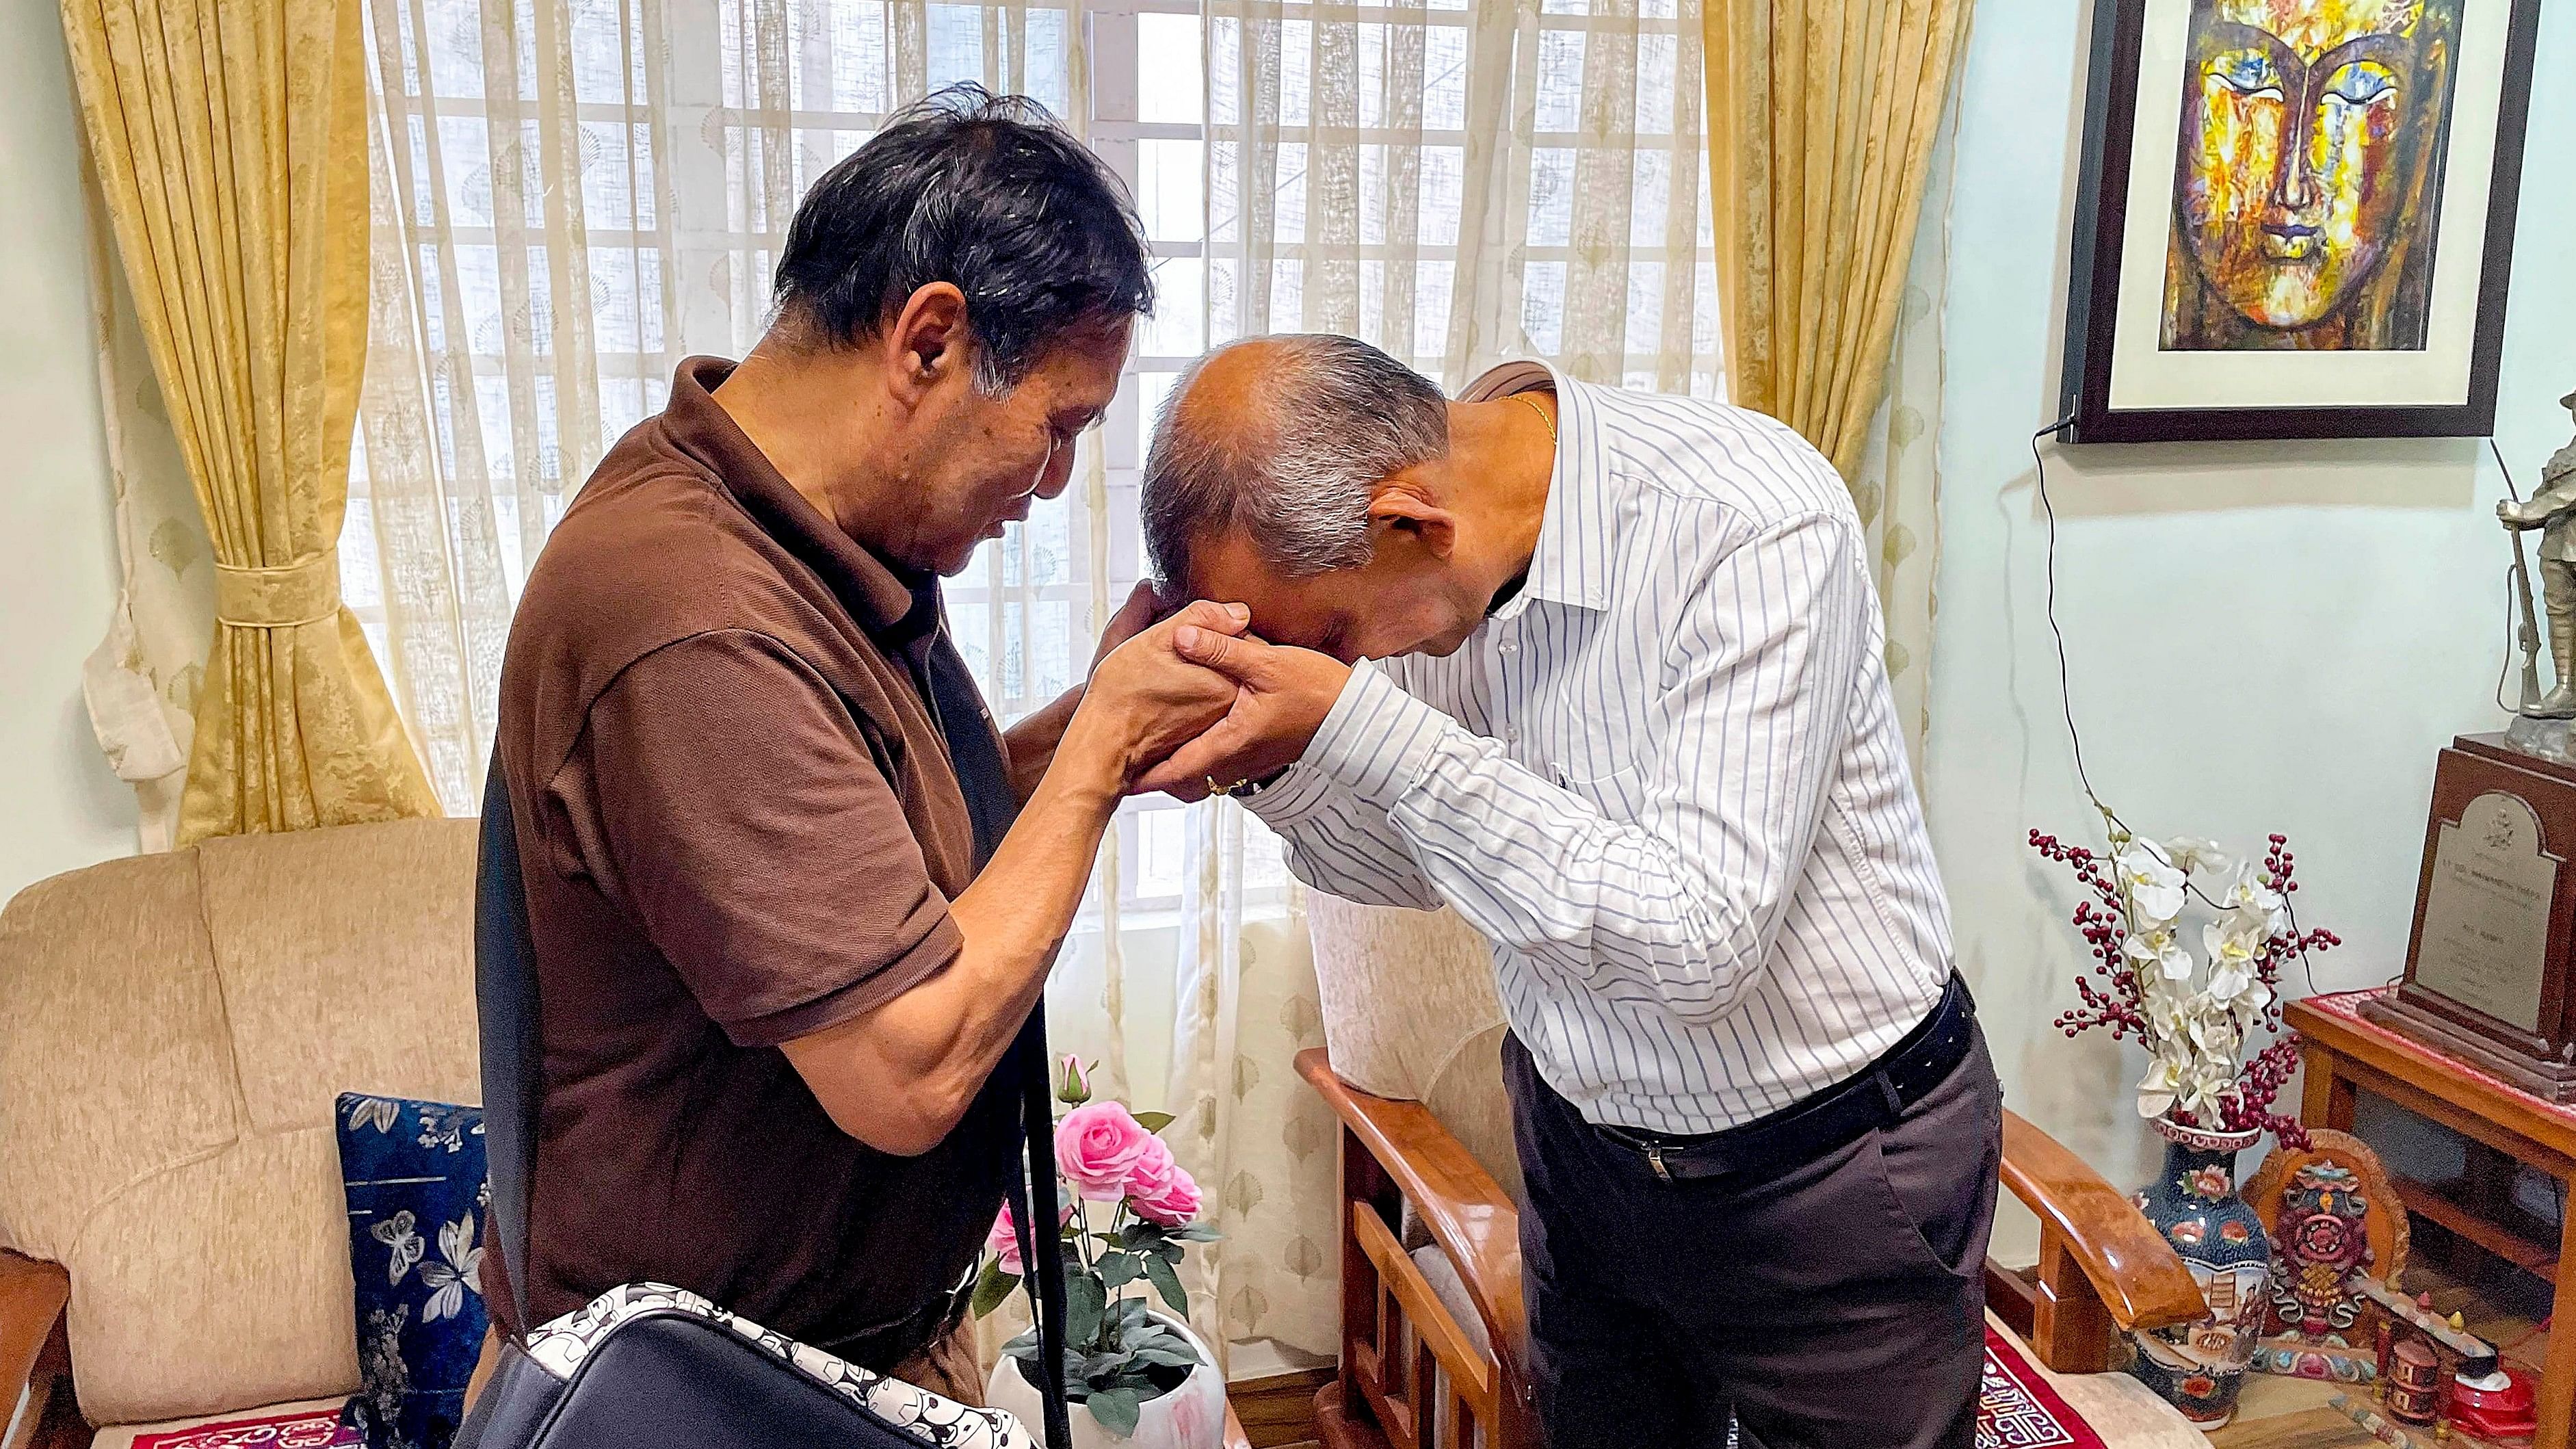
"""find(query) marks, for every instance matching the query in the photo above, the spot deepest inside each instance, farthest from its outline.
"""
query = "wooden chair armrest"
(1467, 1212)
(32, 1295)
(2141, 1281)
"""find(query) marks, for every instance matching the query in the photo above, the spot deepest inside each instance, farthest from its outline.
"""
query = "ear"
(1402, 512)
(928, 344)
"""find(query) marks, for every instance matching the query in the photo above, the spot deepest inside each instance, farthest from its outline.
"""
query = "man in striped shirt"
(1601, 671)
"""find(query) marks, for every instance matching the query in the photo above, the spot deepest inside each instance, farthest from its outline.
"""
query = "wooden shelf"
(2520, 1251)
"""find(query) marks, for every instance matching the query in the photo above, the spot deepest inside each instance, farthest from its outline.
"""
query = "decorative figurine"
(2551, 509)
(2414, 1382)
(2433, 1371)
(2323, 1211)
(2333, 1220)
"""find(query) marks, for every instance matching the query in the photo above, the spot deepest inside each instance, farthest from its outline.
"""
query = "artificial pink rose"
(1152, 1172)
(1003, 1242)
(1175, 1205)
(1097, 1145)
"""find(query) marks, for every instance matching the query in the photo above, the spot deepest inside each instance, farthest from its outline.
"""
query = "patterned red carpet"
(278, 1431)
(2020, 1410)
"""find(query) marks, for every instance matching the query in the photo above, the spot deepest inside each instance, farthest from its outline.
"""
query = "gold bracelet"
(1216, 789)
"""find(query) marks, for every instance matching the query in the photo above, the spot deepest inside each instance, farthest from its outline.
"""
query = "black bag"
(649, 1366)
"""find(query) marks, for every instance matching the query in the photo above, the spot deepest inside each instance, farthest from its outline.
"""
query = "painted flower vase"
(2199, 1368)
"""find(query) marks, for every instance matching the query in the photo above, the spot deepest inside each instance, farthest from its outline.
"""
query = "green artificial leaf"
(1168, 1283)
(1168, 1358)
(1083, 1301)
(1197, 1233)
(1023, 1344)
(1116, 1410)
(1117, 1270)
(1141, 1235)
(993, 1288)
(1153, 1121)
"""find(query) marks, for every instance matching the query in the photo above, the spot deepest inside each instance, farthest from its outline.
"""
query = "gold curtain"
(1822, 116)
(230, 142)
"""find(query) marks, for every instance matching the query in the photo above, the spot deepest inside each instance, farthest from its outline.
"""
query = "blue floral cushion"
(417, 1199)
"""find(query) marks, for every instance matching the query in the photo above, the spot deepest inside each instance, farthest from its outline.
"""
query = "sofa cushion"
(174, 1030)
(414, 1175)
(1411, 1013)
(346, 959)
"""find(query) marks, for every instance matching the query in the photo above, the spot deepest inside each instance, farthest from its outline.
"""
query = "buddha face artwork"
(2308, 180)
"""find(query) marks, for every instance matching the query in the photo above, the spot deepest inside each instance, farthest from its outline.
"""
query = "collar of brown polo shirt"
(898, 608)
(903, 611)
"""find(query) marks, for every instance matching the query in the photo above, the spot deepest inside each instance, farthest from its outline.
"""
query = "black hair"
(987, 193)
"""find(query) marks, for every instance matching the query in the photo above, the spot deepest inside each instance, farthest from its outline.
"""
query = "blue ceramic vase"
(2199, 1368)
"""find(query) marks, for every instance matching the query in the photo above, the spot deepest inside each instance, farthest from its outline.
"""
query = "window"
(645, 159)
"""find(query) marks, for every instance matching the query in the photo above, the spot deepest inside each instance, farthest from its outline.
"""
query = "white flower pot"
(1189, 1417)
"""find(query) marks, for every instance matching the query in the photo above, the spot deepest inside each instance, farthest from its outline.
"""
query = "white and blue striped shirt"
(1665, 780)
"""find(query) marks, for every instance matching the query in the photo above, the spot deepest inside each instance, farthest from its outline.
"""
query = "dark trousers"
(1836, 1305)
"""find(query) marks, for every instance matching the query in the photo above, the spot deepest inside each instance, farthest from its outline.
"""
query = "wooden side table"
(2346, 1056)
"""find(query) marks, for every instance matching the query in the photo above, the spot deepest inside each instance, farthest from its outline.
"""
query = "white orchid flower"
(2175, 961)
(2201, 1098)
(2158, 1088)
(2197, 856)
(2262, 907)
(2157, 949)
(2149, 882)
(2232, 954)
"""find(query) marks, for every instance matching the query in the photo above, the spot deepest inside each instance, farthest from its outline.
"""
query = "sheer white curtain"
(1460, 184)
(1466, 183)
(574, 194)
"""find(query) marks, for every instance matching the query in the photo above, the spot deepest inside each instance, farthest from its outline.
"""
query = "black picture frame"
(2101, 209)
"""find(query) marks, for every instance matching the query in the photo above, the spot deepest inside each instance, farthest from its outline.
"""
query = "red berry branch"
(2113, 994)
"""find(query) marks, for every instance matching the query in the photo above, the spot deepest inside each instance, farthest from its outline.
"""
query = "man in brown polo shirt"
(774, 984)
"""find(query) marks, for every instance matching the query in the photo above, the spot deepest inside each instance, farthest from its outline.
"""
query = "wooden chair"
(1412, 1376)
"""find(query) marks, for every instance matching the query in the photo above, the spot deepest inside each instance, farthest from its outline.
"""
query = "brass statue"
(2552, 509)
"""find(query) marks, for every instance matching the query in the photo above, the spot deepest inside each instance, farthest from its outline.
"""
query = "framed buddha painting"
(2295, 217)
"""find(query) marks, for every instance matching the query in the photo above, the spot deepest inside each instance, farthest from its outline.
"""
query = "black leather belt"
(1804, 1131)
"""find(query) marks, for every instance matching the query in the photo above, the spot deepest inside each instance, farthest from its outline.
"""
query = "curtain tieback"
(306, 591)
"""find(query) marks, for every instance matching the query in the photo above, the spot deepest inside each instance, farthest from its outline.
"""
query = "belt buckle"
(1655, 1159)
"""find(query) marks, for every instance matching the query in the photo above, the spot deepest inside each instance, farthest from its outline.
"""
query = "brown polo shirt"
(738, 825)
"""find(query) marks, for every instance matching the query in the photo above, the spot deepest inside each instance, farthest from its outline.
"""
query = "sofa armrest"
(32, 1297)
(1466, 1211)
(2102, 1268)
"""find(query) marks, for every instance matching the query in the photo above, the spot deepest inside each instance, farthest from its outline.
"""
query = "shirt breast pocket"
(1619, 794)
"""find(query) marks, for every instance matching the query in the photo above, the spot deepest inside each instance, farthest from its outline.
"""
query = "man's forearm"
(900, 1077)
(1032, 742)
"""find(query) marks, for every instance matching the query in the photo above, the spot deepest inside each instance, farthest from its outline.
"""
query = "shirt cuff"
(1299, 792)
(1378, 742)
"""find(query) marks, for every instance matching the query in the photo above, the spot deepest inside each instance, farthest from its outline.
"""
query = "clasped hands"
(1204, 703)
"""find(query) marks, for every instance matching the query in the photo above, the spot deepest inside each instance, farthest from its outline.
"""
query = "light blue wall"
(2263, 637)
(60, 807)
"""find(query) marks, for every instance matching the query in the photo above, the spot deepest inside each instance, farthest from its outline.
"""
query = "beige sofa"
(173, 1031)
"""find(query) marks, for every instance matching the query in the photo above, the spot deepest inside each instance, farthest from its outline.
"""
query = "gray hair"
(1330, 418)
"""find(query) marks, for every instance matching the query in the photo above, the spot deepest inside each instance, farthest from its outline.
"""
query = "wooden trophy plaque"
(2491, 968)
